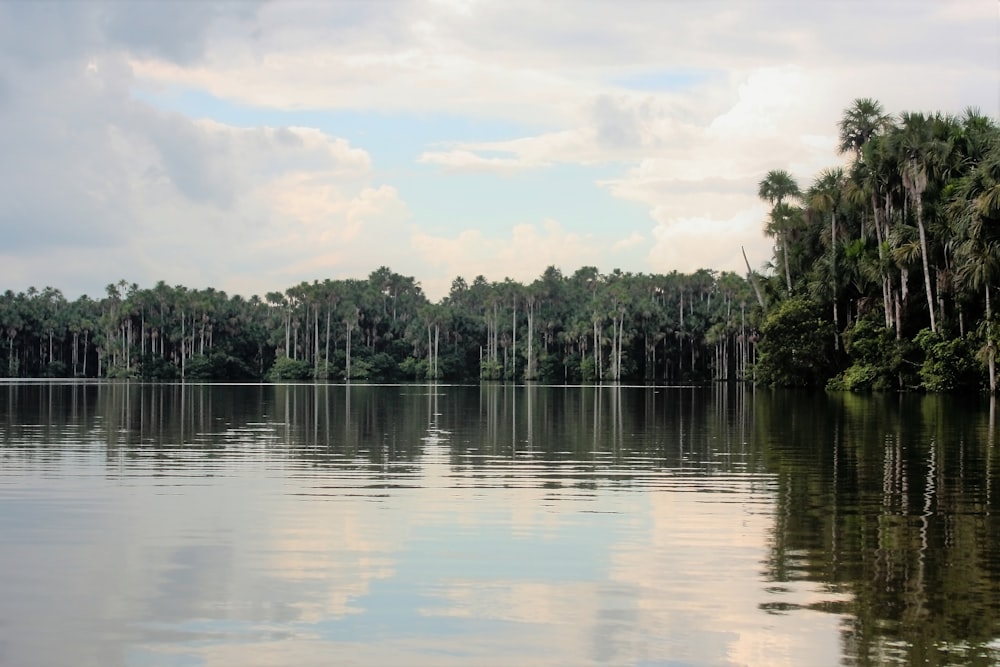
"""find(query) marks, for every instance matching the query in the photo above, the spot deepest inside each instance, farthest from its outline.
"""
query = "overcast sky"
(251, 146)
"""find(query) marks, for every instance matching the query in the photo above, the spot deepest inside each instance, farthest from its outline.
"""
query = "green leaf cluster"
(903, 239)
(797, 346)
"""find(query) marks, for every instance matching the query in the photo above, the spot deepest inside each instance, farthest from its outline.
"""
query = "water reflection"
(279, 524)
(888, 503)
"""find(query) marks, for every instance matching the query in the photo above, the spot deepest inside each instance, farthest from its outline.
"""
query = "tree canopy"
(585, 327)
(900, 247)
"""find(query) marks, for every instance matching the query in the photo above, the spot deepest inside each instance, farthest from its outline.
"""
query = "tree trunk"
(288, 334)
(326, 351)
(753, 280)
(833, 271)
(784, 252)
(437, 339)
(886, 289)
(927, 271)
(513, 350)
(618, 356)
(430, 354)
(529, 373)
(347, 365)
(991, 352)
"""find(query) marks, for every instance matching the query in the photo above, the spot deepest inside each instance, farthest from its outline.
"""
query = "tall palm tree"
(861, 121)
(777, 186)
(824, 196)
(879, 172)
(919, 153)
(976, 206)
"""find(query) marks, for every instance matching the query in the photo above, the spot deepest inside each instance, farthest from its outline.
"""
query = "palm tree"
(977, 207)
(777, 186)
(878, 173)
(825, 196)
(919, 153)
(861, 121)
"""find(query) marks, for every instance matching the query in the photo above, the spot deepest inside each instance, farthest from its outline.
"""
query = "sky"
(250, 146)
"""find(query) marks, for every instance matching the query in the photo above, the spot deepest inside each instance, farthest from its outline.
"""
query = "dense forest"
(587, 327)
(883, 270)
(881, 279)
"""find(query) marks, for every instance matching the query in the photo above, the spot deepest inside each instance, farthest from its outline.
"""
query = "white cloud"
(148, 195)
(523, 256)
(95, 176)
(632, 240)
(467, 160)
(688, 244)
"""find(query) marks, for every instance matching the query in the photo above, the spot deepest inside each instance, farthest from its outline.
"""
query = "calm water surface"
(444, 525)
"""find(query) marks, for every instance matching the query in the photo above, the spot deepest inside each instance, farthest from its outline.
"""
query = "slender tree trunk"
(927, 271)
(784, 252)
(621, 337)
(991, 351)
(513, 352)
(315, 342)
(753, 280)
(886, 290)
(327, 349)
(430, 354)
(615, 362)
(183, 335)
(991, 364)
(347, 367)
(833, 270)
(288, 334)
(530, 371)
(597, 344)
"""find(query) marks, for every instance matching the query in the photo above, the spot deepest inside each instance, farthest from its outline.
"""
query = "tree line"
(881, 278)
(883, 269)
(584, 327)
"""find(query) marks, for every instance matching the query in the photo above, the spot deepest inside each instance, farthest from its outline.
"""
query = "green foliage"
(797, 346)
(55, 369)
(491, 370)
(384, 329)
(949, 364)
(158, 368)
(875, 358)
(908, 235)
(122, 373)
(285, 368)
(217, 366)
(383, 368)
(550, 369)
(413, 368)
(360, 370)
(198, 368)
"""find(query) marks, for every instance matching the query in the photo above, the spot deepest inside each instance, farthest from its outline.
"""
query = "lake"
(209, 524)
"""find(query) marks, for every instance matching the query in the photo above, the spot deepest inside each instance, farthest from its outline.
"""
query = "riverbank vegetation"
(884, 269)
(881, 279)
(586, 327)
